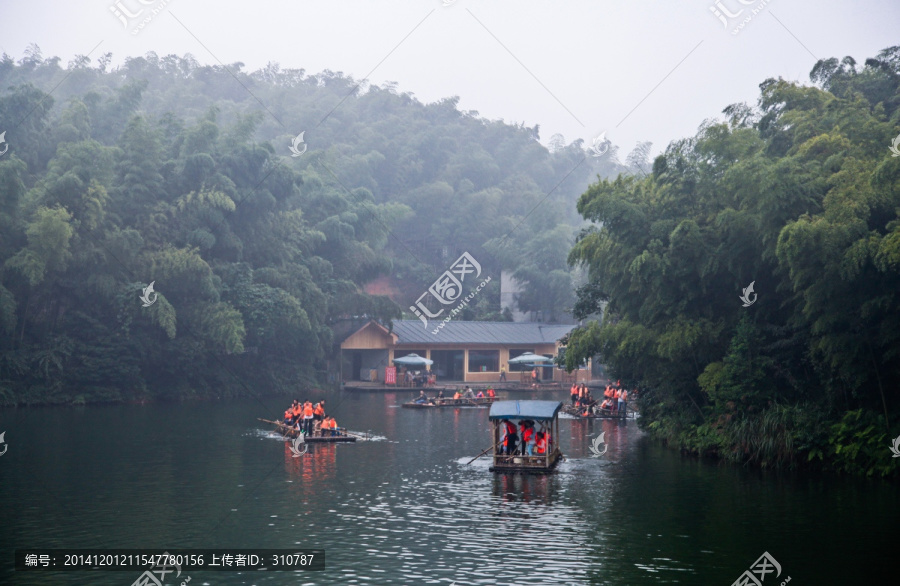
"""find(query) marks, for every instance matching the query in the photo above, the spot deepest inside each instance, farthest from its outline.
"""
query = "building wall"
(493, 375)
(372, 338)
(509, 288)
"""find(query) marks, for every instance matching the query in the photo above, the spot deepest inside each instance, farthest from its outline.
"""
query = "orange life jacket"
(541, 446)
(491, 393)
(287, 414)
(307, 410)
(574, 390)
(298, 409)
(526, 434)
(319, 410)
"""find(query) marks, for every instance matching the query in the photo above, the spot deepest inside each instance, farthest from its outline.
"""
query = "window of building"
(484, 361)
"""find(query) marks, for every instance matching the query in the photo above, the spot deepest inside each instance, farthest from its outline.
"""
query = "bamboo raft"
(598, 414)
(545, 413)
(288, 431)
(435, 403)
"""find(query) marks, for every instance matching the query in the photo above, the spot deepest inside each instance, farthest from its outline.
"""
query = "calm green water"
(406, 510)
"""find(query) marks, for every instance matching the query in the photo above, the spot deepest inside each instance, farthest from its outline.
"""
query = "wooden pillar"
(495, 438)
(465, 364)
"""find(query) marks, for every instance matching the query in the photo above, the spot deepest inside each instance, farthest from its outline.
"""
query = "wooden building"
(462, 351)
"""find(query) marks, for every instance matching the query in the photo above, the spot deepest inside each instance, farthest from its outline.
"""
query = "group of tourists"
(466, 393)
(615, 399)
(582, 400)
(524, 440)
(310, 419)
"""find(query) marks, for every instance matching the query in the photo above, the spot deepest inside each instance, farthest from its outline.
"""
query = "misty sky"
(639, 70)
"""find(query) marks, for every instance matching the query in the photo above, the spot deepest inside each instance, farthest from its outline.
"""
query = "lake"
(406, 509)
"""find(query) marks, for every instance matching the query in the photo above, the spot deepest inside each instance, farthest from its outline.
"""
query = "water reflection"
(526, 488)
(616, 437)
(318, 464)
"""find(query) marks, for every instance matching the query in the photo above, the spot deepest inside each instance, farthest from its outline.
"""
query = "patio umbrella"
(528, 358)
(413, 360)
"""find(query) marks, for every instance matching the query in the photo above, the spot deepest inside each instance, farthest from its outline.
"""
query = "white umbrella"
(413, 360)
(528, 358)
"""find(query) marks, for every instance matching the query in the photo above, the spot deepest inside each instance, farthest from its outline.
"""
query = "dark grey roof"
(541, 410)
(412, 331)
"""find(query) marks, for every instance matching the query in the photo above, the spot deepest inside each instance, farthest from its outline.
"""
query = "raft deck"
(435, 403)
(289, 431)
(599, 414)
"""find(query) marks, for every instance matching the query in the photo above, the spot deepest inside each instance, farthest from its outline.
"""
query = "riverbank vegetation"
(800, 197)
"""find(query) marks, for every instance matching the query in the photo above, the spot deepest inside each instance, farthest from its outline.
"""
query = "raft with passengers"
(465, 398)
(311, 421)
(524, 436)
(585, 406)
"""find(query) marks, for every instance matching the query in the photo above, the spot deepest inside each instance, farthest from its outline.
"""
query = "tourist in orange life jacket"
(527, 438)
(480, 395)
(289, 415)
(491, 393)
(510, 439)
(574, 392)
(308, 418)
(319, 414)
(540, 443)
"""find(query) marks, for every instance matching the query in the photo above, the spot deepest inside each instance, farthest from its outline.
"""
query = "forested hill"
(163, 170)
(752, 280)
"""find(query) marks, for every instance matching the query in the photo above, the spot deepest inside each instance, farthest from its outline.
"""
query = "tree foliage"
(167, 171)
(799, 196)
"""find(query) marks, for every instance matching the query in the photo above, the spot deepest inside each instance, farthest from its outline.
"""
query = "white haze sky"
(639, 70)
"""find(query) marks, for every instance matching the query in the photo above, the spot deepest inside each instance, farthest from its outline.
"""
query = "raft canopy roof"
(538, 410)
